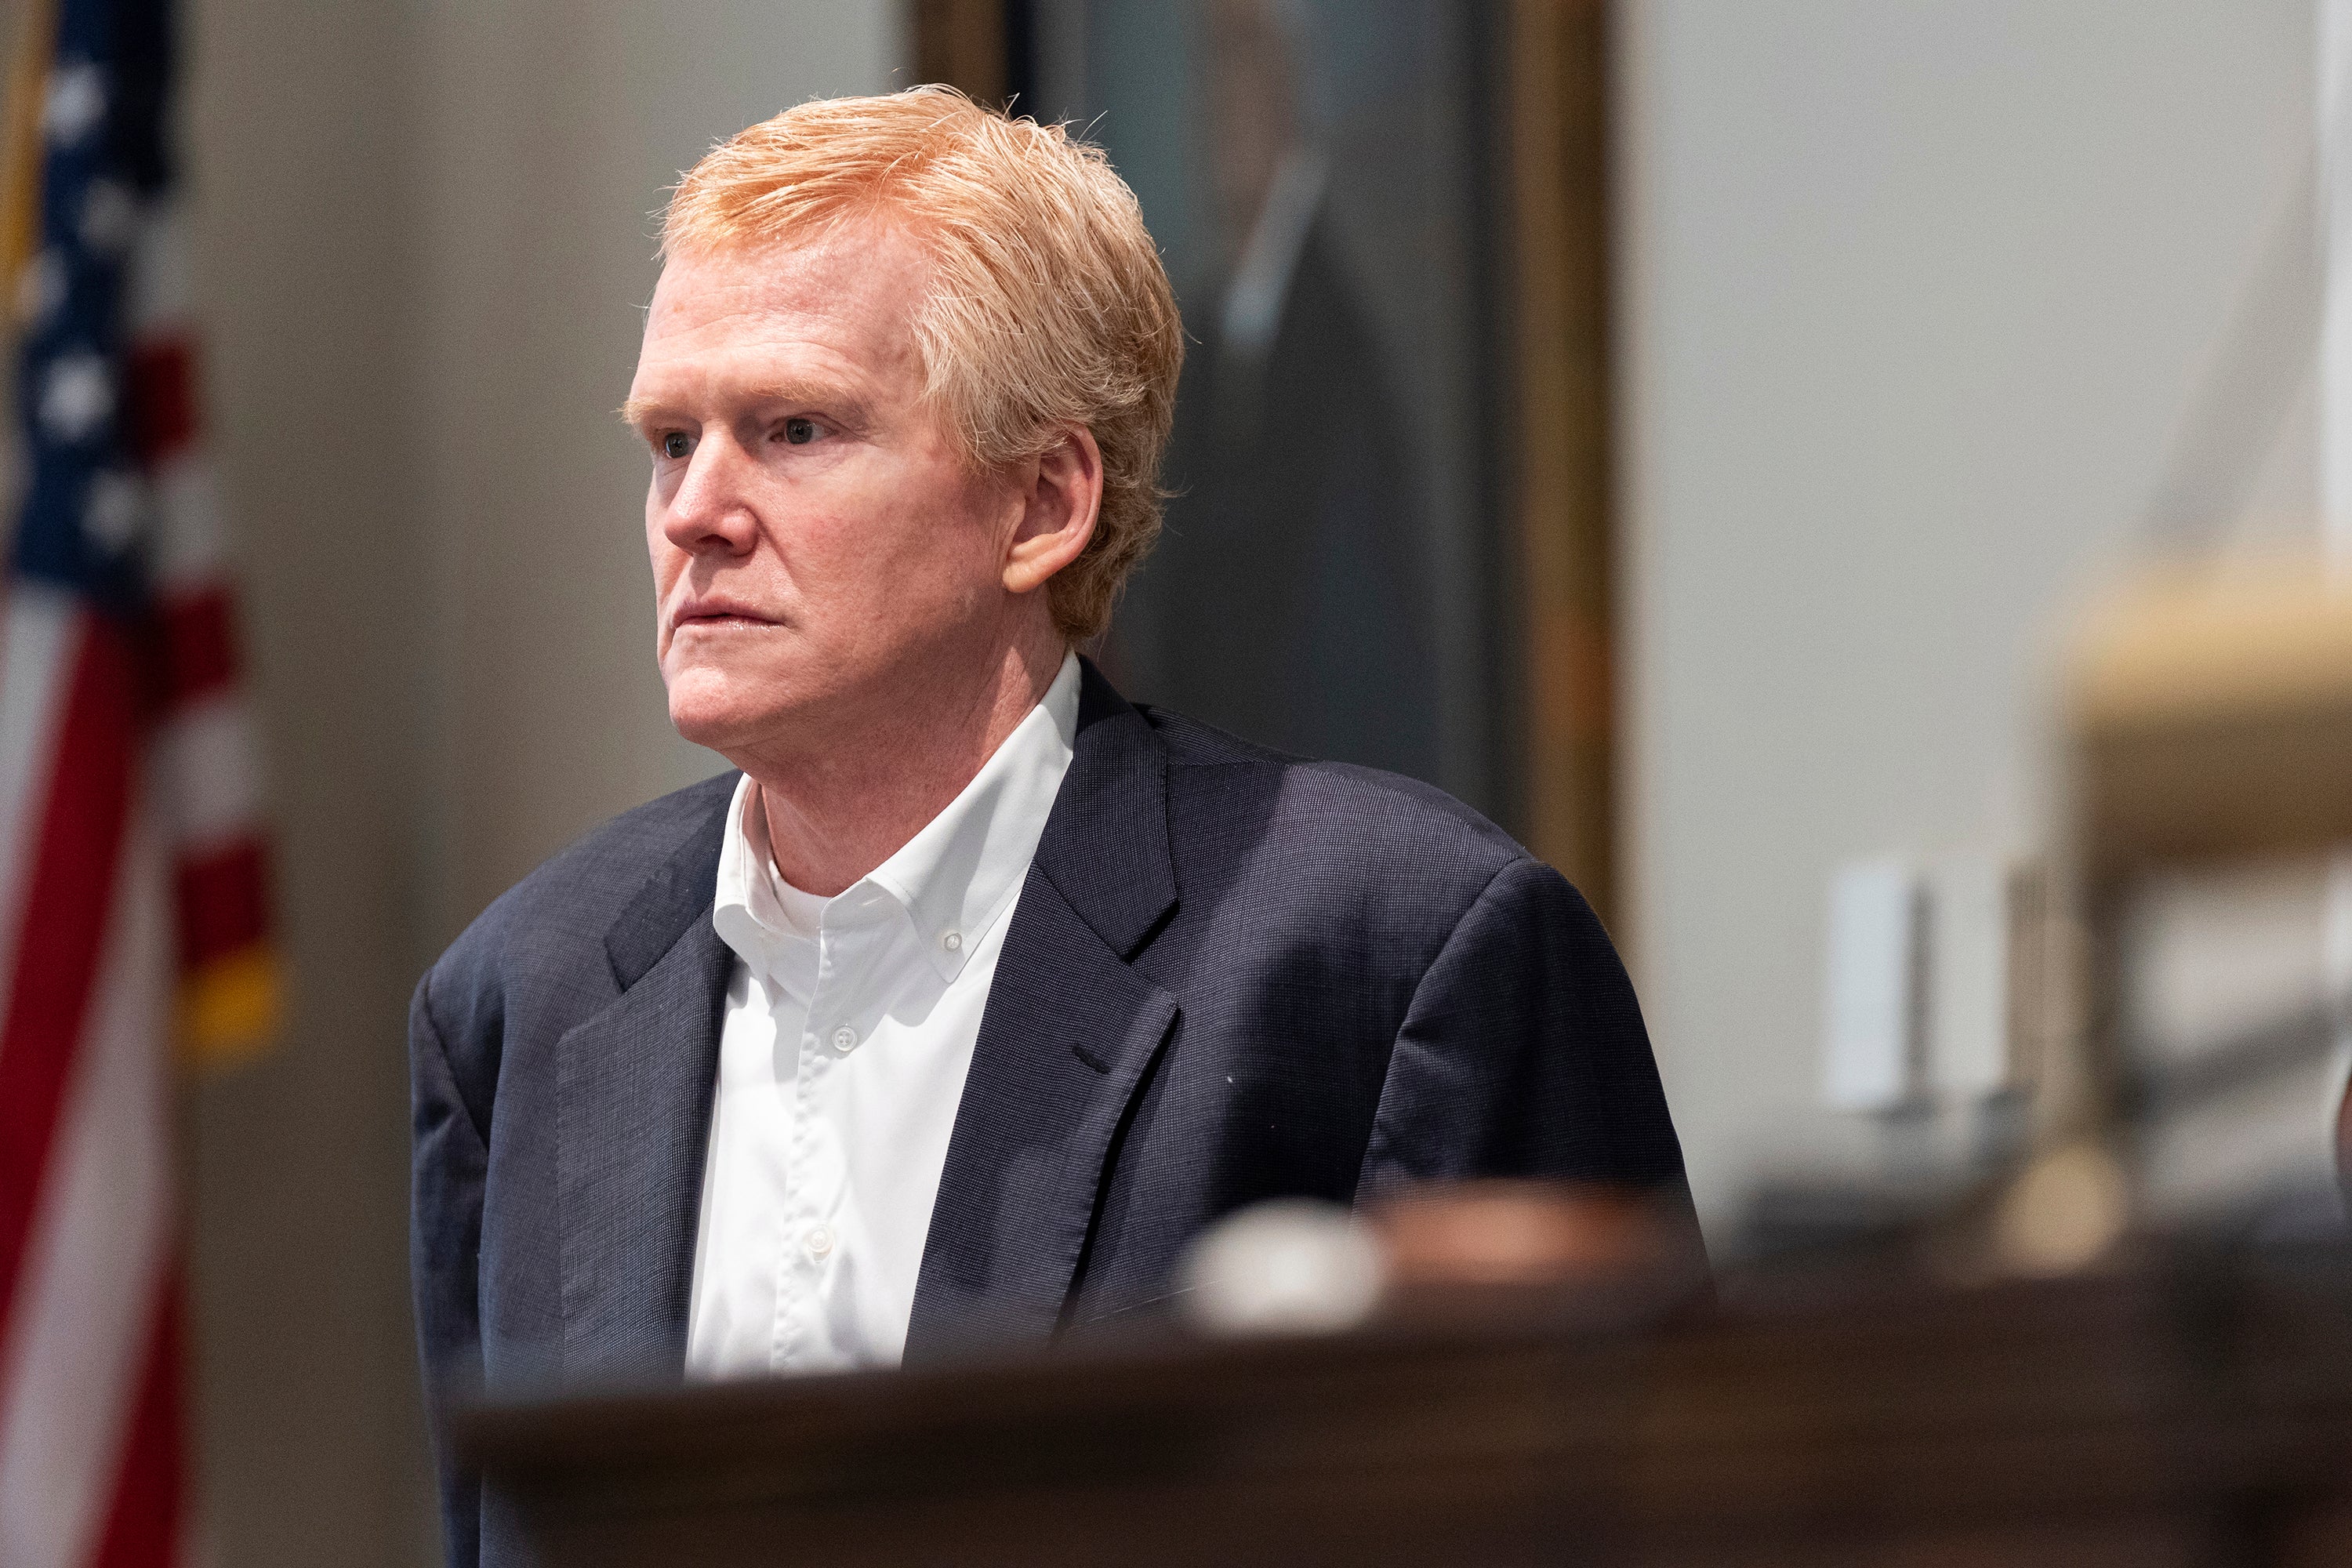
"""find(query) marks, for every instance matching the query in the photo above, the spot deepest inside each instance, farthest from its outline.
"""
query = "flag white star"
(111, 515)
(77, 396)
(75, 102)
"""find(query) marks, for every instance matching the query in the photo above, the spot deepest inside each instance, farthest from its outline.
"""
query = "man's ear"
(1061, 497)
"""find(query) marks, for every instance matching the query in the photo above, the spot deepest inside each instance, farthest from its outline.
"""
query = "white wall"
(423, 243)
(1916, 297)
(311, 1449)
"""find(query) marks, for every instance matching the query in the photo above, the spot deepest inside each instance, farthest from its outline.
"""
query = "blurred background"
(1688, 430)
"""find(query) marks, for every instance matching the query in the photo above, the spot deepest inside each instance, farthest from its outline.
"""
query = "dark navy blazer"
(1231, 975)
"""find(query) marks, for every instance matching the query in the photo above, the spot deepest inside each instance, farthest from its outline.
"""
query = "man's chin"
(720, 728)
(721, 709)
(715, 713)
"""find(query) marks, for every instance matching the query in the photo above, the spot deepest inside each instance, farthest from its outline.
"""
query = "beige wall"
(422, 245)
(1917, 296)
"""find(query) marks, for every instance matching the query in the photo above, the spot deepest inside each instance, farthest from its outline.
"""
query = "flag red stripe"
(142, 1521)
(67, 898)
(160, 374)
(199, 632)
(222, 900)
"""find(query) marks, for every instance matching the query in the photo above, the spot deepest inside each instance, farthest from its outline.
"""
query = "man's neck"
(836, 810)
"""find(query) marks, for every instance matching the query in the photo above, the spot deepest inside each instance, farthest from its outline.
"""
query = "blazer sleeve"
(1523, 1054)
(450, 1158)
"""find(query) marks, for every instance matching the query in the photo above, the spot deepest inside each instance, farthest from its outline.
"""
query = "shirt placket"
(811, 1242)
(789, 1347)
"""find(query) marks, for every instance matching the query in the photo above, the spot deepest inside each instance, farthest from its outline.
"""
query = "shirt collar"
(957, 875)
(954, 878)
(770, 924)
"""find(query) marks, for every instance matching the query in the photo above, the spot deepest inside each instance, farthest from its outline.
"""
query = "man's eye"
(799, 432)
(675, 443)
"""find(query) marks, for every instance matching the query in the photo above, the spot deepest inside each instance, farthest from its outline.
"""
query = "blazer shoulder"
(1372, 795)
(1326, 809)
(561, 911)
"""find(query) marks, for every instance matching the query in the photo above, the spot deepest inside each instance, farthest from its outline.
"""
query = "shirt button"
(845, 1039)
(819, 1240)
(952, 942)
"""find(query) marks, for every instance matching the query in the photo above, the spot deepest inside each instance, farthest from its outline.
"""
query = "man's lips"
(715, 614)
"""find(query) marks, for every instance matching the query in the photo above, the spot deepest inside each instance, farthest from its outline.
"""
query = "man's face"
(817, 546)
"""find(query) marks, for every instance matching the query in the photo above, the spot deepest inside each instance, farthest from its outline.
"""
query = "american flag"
(131, 876)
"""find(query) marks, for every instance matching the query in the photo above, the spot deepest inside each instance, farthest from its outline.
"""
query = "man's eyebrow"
(830, 397)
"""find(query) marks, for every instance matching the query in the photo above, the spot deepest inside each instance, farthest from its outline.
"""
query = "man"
(977, 993)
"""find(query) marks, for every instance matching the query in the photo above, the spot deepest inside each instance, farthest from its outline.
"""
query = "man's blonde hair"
(1048, 305)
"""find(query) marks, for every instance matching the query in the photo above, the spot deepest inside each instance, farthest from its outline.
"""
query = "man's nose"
(711, 509)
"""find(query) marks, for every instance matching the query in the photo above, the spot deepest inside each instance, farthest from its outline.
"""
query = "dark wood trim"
(963, 44)
(1560, 151)
(2187, 1410)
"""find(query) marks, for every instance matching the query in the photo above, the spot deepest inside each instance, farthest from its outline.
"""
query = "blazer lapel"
(632, 1118)
(1069, 1038)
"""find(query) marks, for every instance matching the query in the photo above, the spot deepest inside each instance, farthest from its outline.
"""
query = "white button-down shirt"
(849, 1029)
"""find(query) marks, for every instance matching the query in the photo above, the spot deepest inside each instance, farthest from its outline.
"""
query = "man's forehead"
(847, 268)
(851, 293)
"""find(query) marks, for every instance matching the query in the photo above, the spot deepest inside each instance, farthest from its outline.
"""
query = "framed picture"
(1389, 533)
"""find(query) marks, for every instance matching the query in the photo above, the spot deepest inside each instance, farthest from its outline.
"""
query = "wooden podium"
(2172, 1413)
